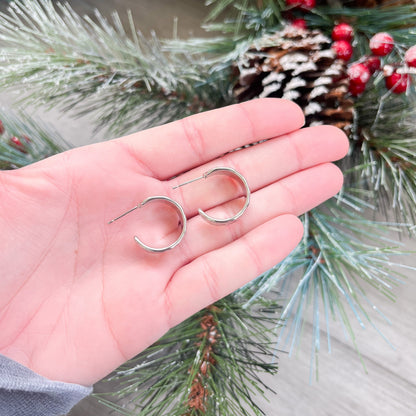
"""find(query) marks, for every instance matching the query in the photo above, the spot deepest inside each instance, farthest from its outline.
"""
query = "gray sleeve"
(25, 393)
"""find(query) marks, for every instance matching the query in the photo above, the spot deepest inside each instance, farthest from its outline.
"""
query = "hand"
(78, 297)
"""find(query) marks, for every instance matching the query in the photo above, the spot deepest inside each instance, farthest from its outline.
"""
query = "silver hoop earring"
(229, 172)
(168, 201)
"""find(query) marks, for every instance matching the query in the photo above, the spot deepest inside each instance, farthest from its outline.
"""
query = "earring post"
(122, 215)
(190, 181)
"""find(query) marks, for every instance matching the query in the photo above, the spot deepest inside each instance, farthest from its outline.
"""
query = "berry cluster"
(396, 77)
(342, 35)
(15, 141)
(359, 73)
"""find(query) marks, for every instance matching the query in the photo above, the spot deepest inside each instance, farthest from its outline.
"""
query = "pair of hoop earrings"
(212, 220)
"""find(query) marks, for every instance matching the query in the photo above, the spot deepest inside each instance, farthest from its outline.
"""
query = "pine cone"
(298, 65)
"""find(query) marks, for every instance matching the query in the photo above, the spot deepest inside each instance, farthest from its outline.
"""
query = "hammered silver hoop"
(179, 210)
(222, 170)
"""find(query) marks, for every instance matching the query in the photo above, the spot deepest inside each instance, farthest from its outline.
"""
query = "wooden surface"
(344, 388)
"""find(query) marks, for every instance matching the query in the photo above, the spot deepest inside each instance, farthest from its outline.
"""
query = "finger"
(261, 165)
(220, 272)
(173, 148)
(294, 194)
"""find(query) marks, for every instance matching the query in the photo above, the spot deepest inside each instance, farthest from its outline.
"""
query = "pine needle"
(386, 144)
(57, 58)
(25, 140)
(340, 256)
(208, 365)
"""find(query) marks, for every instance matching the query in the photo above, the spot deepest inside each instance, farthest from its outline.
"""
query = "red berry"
(373, 64)
(343, 49)
(2, 129)
(343, 31)
(381, 44)
(299, 24)
(308, 4)
(397, 83)
(410, 56)
(16, 143)
(359, 73)
(356, 88)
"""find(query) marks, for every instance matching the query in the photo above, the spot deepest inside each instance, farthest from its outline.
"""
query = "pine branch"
(385, 142)
(60, 59)
(267, 8)
(207, 365)
(248, 18)
(341, 254)
(24, 140)
(388, 149)
(251, 18)
(399, 21)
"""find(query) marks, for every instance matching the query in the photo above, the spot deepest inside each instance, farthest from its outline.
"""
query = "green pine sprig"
(208, 365)
(244, 17)
(251, 19)
(58, 58)
(384, 138)
(398, 20)
(25, 140)
(387, 146)
(328, 275)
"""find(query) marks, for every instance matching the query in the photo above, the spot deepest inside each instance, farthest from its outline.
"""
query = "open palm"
(78, 296)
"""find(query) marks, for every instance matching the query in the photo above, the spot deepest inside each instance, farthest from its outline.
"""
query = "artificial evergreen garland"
(208, 365)
(24, 140)
(362, 80)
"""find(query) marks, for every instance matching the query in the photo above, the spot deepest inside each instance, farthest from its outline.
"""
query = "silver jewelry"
(229, 172)
(168, 201)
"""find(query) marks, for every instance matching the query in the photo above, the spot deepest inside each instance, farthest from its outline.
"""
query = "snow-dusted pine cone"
(298, 65)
